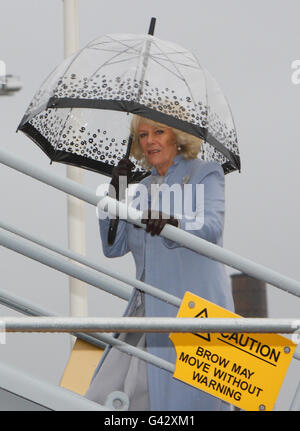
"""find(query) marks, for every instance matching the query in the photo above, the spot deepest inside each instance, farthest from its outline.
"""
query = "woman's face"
(158, 144)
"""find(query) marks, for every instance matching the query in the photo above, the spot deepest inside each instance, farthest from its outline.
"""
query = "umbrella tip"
(152, 26)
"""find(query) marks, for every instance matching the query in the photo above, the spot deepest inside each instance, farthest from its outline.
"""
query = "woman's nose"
(151, 138)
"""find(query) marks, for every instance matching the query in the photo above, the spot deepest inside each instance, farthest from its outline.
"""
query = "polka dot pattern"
(154, 75)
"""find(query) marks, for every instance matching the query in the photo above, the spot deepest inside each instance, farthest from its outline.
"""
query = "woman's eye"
(142, 135)
(159, 131)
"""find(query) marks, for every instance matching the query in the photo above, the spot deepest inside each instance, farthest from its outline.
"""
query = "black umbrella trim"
(74, 159)
(139, 109)
(67, 157)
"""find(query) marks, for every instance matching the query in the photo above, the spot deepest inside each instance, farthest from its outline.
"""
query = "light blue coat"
(176, 269)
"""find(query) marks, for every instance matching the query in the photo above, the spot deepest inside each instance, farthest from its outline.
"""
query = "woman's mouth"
(150, 152)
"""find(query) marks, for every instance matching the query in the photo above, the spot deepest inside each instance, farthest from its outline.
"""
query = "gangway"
(94, 328)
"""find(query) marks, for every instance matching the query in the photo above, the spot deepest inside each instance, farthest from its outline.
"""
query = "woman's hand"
(123, 169)
(156, 220)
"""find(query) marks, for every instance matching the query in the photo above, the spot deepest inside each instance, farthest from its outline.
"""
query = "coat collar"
(176, 161)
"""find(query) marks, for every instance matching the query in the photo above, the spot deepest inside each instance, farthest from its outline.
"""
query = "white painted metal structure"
(123, 286)
(75, 207)
(29, 393)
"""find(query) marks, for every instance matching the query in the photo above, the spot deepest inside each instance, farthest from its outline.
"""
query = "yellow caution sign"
(246, 370)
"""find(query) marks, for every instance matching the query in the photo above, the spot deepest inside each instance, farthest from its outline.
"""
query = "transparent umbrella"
(82, 112)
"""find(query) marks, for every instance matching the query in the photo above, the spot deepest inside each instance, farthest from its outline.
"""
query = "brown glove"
(156, 220)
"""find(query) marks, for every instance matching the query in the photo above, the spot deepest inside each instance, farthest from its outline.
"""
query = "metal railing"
(122, 286)
(123, 289)
(170, 232)
(149, 324)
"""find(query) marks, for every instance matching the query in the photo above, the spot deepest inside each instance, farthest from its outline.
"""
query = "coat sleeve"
(207, 220)
(120, 246)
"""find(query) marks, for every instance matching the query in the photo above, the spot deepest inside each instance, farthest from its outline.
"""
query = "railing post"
(75, 207)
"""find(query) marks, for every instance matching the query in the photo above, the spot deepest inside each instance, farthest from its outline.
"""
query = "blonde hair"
(188, 145)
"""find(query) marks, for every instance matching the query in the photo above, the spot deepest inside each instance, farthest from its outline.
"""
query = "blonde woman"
(172, 157)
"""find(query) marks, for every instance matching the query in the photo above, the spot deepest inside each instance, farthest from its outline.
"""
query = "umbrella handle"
(112, 231)
(128, 147)
(113, 225)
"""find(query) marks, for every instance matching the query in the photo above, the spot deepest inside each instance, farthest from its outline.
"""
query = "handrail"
(24, 306)
(171, 232)
(28, 308)
(100, 340)
(204, 247)
(147, 288)
(51, 179)
(149, 324)
(41, 255)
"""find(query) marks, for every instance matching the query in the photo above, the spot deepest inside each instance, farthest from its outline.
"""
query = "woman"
(172, 154)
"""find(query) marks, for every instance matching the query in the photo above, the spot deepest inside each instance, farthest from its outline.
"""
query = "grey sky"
(249, 47)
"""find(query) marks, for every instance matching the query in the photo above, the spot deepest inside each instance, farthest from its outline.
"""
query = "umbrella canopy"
(81, 114)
